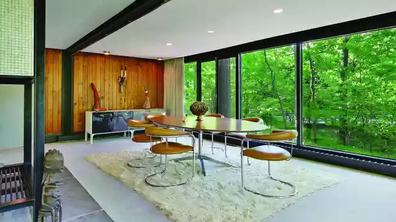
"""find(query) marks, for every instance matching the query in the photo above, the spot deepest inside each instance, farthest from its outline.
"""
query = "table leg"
(202, 157)
(200, 140)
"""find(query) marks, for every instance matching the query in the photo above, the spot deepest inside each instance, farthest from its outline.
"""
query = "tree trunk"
(312, 93)
(274, 89)
(344, 112)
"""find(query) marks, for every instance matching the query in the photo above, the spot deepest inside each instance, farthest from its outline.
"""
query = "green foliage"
(209, 85)
(349, 91)
(190, 86)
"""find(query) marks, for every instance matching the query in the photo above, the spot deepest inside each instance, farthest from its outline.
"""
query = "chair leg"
(294, 189)
(162, 173)
(132, 163)
(212, 145)
(193, 162)
(248, 157)
(242, 182)
(225, 145)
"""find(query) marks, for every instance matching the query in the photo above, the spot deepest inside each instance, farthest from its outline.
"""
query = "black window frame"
(357, 161)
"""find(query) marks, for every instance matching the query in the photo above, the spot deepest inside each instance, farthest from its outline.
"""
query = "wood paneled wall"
(53, 91)
(104, 71)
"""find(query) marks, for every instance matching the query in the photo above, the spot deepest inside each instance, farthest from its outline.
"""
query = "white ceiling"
(70, 20)
(185, 24)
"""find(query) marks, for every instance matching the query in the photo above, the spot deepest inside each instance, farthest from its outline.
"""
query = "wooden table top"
(209, 124)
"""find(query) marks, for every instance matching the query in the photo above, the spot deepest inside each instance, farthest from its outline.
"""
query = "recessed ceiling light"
(210, 32)
(278, 10)
(106, 52)
(168, 44)
(159, 58)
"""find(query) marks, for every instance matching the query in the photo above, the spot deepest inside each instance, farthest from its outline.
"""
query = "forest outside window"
(190, 86)
(350, 94)
(268, 86)
(209, 95)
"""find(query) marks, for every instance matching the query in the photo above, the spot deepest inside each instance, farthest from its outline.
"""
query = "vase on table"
(199, 109)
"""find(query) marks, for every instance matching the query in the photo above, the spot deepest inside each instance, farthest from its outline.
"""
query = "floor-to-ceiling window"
(349, 93)
(190, 86)
(209, 95)
(268, 86)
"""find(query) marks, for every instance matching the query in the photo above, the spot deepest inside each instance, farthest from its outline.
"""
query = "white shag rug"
(218, 196)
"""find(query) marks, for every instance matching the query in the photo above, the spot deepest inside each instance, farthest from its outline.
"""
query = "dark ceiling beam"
(133, 12)
(355, 26)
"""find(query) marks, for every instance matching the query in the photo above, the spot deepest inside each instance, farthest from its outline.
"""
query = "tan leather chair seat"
(267, 152)
(170, 148)
(275, 136)
(150, 116)
(164, 132)
(143, 138)
(139, 123)
(253, 119)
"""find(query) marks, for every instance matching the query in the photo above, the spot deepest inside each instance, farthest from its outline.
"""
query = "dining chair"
(241, 136)
(169, 148)
(213, 133)
(142, 138)
(148, 117)
(269, 153)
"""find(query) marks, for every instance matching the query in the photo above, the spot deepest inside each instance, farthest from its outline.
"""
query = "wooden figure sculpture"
(146, 104)
(122, 78)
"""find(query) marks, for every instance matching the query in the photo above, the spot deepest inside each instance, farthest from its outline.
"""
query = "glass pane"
(268, 86)
(349, 93)
(209, 85)
(233, 87)
(190, 86)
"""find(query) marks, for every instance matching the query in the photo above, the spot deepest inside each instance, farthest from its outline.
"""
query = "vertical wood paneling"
(104, 71)
(53, 91)
(99, 68)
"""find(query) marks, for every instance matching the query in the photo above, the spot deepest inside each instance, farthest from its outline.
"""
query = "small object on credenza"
(146, 104)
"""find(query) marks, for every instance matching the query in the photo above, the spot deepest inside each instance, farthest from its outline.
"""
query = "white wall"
(11, 116)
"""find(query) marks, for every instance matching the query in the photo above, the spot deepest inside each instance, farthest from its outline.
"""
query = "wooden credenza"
(113, 121)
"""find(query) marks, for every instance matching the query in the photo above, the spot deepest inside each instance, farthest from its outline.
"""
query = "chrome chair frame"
(213, 147)
(294, 188)
(166, 163)
(145, 152)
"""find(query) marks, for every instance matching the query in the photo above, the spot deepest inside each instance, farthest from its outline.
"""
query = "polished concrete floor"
(77, 204)
(359, 196)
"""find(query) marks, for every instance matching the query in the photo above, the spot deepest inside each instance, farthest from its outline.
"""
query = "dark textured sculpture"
(199, 109)
(51, 204)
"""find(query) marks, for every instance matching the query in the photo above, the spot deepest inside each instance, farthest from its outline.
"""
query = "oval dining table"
(208, 124)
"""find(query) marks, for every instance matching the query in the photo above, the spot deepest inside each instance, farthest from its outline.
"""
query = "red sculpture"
(96, 106)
